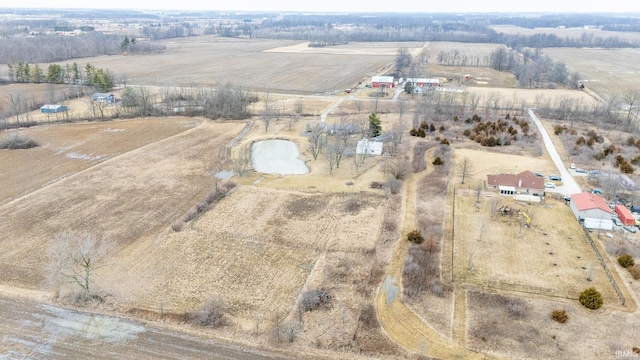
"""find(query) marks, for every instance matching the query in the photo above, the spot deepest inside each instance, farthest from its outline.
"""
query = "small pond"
(277, 157)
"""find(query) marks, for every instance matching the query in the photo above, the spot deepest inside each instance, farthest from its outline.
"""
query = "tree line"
(330, 29)
(101, 79)
(53, 48)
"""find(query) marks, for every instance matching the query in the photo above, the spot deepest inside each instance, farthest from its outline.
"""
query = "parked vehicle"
(581, 171)
(594, 173)
(572, 166)
(538, 174)
(549, 185)
(596, 191)
(631, 229)
(555, 177)
(616, 221)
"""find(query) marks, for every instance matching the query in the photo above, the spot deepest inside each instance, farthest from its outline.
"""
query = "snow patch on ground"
(63, 323)
(89, 157)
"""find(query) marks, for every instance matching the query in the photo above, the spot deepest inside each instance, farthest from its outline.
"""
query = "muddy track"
(399, 322)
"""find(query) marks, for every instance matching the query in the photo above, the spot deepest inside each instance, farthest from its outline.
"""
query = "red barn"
(380, 81)
(625, 215)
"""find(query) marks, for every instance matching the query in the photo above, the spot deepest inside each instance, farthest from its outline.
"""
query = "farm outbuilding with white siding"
(591, 210)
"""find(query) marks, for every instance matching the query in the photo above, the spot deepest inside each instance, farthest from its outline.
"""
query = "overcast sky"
(600, 6)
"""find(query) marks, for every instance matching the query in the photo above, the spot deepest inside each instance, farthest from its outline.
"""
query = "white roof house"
(369, 147)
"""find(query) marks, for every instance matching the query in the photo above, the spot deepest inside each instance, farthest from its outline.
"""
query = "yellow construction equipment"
(526, 217)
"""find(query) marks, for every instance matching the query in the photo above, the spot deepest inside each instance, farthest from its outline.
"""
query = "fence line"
(606, 268)
(500, 285)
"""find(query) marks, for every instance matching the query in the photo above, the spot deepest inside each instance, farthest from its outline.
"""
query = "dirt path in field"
(459, 316)
(400, 323)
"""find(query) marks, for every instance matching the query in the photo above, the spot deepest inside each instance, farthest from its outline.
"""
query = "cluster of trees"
(336, 141)
(499, 133)
(421, 131)
(453, 57)
(159, 32)
(224, 101)
(531, 68)
(52, 48)
(101, 79)
(619, 112)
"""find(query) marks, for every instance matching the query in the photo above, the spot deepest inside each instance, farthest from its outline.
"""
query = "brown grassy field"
(141, 185)
(69, 149)
(274, 237)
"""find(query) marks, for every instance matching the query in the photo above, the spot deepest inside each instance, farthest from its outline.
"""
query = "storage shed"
(53, 109)
(625, 215)
(591, 210)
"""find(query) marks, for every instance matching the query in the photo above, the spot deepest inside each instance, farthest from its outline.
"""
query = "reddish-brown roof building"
(591, 210)
(625, 215)
(525, 182)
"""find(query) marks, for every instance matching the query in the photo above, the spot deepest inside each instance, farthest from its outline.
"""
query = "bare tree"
(331, 158)
(630, 101)
(493, 100)
(93, 107)
(317, 138)
(402, 107)
(474, 100)
(399, 169)
(242, 160)
(17, 104)
(358, 105)
(267, 113)
(75, 257)
(465, 169)
(293, 119)
(397, 132)
(340, 141)
(298, 107)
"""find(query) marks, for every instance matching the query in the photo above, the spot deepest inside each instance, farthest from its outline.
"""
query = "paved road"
(29, 330)
(569, 184)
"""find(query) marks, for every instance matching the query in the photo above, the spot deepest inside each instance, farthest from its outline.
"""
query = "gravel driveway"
(569, 184)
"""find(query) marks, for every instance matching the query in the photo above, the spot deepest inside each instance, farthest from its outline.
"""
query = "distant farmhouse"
(525, 182)
(104, 97)
(591, 210)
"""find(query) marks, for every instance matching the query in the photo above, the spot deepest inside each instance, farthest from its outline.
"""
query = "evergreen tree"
(55, 74)
(375, 127)
(125, 43)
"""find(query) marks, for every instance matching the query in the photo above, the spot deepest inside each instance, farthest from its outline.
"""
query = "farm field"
(138, 187)
(71, 148)
(608, 72)
(253, 64)
(258, 250)
(526, 97)
(567, 32)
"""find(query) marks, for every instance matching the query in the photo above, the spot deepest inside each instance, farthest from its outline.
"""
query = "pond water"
(277, 157)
